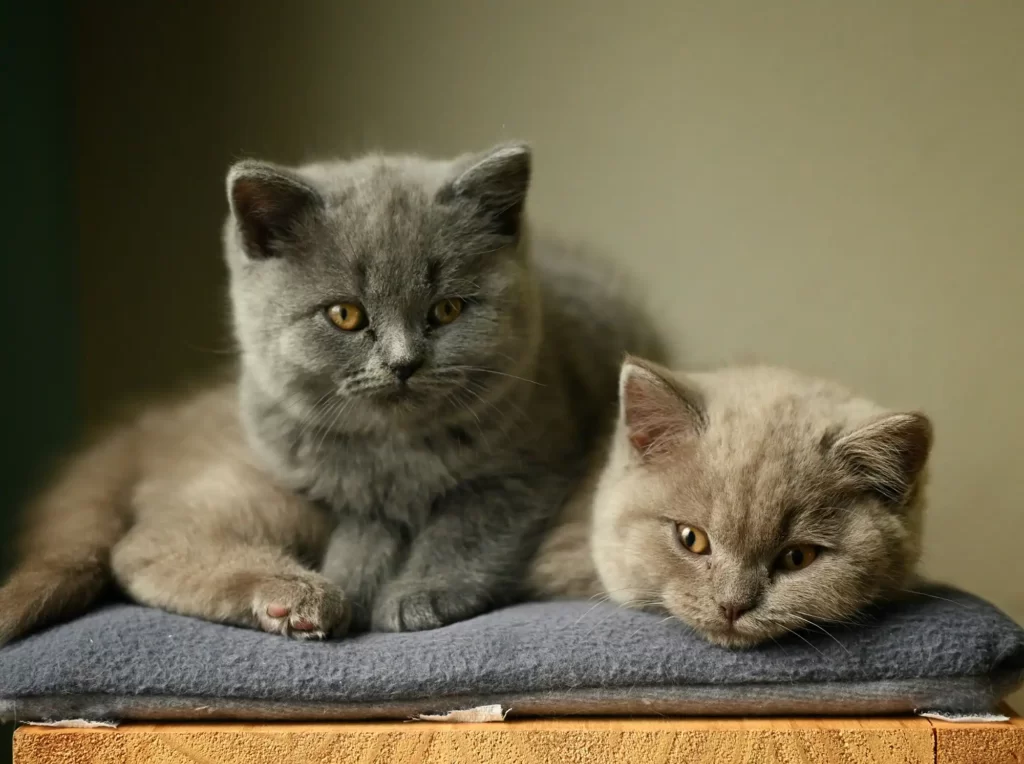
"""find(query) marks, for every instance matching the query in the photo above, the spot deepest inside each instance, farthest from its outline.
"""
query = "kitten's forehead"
(772, 421)
(763, 457)
(373, 176)
(380, 205)
(387, 232)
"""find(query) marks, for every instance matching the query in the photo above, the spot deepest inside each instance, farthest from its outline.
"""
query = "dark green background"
(38, 313)
(120, 120)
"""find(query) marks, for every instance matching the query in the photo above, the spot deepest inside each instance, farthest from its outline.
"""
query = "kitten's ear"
(497, 182)
(888, 455)
(269, 204)
(656, 409)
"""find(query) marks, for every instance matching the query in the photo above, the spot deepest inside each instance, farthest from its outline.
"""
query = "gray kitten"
(413, 376)
(746, 502)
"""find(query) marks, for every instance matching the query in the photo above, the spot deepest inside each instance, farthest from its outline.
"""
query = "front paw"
(301, 607)
(417, 608)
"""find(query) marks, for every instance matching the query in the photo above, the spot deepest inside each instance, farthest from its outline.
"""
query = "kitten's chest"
(396, 479)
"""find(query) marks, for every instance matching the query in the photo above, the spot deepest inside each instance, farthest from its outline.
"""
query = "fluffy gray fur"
(437, 452)
(441, 483)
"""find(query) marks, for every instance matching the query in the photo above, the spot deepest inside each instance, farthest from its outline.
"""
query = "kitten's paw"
(301, 607)
(405, 608)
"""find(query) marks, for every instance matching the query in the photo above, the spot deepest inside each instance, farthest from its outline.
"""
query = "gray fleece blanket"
(944, 650)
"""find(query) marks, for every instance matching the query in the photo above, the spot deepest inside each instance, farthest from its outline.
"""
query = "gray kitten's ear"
(269, 204)
(657, 409)
(497, 182)
(888, 455)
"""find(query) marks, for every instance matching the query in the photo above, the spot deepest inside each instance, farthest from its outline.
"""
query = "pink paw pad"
(301, 607)
(277, 611)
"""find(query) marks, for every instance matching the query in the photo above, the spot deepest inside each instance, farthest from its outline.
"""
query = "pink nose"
(733, 610)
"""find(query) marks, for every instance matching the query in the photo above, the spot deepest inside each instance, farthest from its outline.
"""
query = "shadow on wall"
(40, 341)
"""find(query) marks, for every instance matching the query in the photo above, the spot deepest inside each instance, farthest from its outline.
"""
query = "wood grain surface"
(612, 741)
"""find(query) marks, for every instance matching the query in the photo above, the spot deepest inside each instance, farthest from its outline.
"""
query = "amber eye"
(446, 311)
(694, 539)
(347, 316)
(798, 557)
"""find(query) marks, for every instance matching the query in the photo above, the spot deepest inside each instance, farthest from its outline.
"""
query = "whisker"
(663, 620)
(643, 593)
(779, 644)
(822, 628)
(470, 408)
(591, 610)
(801, 636)
(628, 604)
(934, 597)
(482, 370)
(856, 620)
(329, 421)
(312, 415)
(453, 398)
(489, 251)
(496, 408)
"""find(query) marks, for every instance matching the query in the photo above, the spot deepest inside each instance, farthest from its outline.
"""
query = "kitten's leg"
(222, 542)
(227, 580)
(361, 555)
(473, 555)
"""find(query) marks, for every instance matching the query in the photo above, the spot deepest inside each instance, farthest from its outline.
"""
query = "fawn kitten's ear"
(496, 182)
(657, 409)
(888, 455)
(269, 205)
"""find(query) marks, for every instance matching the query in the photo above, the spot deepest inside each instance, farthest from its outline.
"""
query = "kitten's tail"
(65, 547)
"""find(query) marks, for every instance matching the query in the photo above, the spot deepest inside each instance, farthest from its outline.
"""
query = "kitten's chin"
(402, 402)
(406, 407)
(397, 398)
(732, 639)
(737, 637)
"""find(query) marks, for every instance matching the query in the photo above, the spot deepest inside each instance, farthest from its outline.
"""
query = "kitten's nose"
(405, 368)
(733, 610)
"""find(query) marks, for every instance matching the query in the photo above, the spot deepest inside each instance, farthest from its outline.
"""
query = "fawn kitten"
(418, 390)
(745, 502)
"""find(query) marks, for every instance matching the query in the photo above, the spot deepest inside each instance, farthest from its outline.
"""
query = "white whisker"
(822, 628)
(934, 597)
(801, 636)
(482, 370)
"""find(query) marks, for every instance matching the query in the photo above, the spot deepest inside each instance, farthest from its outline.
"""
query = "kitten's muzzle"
(733, 610)
(405, 368)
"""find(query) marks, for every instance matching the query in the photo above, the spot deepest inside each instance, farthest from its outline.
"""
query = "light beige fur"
(760, 459)
(210, 535)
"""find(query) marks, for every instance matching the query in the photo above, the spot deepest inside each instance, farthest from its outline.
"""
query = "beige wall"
(838, 187)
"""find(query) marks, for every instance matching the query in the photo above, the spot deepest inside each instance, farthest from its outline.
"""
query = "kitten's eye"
(347, 316)
(446, 311)
(694, 539)
(798, 557)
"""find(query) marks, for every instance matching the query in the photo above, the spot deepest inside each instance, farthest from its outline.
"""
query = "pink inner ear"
(659, 411)
(646, 435)
(256, 198)
(651, 412)
(641, 440)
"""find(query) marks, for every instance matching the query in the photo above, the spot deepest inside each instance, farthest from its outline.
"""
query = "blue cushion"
(945, 651)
